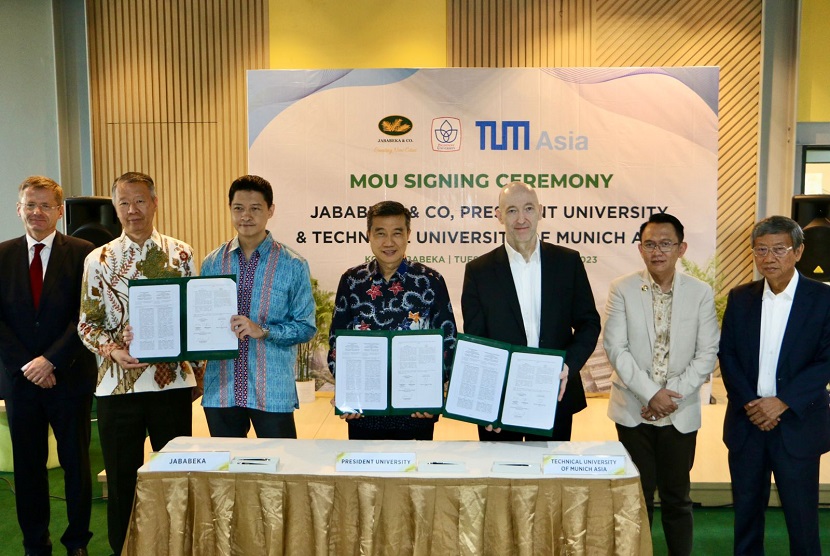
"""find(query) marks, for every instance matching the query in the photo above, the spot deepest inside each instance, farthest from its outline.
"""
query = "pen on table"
(442, 463)
(517, 464)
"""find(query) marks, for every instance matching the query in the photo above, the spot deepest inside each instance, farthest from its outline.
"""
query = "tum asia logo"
(446, 135)
(516, 135)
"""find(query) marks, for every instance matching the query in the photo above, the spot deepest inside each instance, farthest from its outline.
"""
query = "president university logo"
(446, 134)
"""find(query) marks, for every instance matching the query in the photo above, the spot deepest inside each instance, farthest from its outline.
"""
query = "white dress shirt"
(775, 312)
(44, 253)
(527, 277)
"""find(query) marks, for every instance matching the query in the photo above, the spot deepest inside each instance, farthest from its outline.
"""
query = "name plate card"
(189, 461)
(565, 464)
(376, 461)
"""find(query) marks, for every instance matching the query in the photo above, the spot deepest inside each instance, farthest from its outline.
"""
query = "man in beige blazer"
(661, 336)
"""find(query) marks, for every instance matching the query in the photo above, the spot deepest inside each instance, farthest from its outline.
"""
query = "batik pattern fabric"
(661, 305)
(280, 298)
(105, 310)
(245, 286)
(414, 298)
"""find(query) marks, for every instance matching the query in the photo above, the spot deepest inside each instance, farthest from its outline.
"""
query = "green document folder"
(386, 372)
(511, 387)
(167, 312)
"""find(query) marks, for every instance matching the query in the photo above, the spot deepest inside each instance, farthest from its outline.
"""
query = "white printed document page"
(417, 371)
(531, 391)
(155, 317)
(361, 364)
(477, 381)
(211, 302)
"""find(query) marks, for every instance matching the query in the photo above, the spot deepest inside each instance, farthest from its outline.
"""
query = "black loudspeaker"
(811, 212)
(92, 219)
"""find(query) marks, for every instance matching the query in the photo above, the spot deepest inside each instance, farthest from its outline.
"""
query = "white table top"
(317, 457)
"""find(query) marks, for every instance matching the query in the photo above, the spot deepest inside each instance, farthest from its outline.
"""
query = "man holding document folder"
(275, 312)
(392, 293)
(531, 293)
(134, 398)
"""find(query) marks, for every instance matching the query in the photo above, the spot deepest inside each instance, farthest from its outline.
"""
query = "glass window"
(816, 171)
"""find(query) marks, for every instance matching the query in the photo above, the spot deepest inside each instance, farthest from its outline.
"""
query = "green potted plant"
(710, 275)
(305, 373)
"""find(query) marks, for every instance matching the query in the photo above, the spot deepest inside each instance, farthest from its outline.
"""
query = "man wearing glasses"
(46, 375)
(661, 337)
(775, 360)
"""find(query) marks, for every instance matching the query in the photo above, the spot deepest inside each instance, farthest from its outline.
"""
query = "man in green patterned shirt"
(134, 399)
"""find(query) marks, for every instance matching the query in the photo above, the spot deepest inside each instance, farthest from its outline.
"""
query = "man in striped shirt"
(276, 312)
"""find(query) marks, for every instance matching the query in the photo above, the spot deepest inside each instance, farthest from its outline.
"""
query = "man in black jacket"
(528, 292)
(47, 375)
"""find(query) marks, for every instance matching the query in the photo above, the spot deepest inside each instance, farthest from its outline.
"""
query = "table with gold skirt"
(309, 508)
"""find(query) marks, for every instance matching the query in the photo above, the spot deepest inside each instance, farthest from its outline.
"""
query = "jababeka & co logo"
(446, 134)
(395, 125)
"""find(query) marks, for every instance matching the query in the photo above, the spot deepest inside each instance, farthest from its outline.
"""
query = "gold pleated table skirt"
(211, 514)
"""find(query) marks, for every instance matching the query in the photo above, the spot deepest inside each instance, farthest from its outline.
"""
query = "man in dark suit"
(48, 376)
(528, 292)
(775, 360)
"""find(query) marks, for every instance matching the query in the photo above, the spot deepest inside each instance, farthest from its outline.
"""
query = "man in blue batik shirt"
(392, 293)
(276, 312)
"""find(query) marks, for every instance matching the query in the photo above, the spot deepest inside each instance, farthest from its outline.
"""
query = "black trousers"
(797, 480)
(29, 422)
(124, 421)
(664, 457)
(235, 422)
(561, 433)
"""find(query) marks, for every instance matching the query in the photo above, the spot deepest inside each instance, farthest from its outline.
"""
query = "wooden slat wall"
(168, 98)
(573, 33)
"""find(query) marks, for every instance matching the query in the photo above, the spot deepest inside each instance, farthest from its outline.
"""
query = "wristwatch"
(266, 330)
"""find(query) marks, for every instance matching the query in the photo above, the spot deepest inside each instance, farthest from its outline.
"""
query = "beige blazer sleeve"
(629, 339)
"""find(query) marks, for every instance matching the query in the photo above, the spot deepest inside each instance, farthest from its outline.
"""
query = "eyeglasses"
(663, 246)
(779, 251)
(30, 207)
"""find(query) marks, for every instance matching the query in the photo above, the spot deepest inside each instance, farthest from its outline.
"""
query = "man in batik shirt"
(392, 293)
(134, 398)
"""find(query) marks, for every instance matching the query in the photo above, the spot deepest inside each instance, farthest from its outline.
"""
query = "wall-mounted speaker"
(812, 212)
(92, 219)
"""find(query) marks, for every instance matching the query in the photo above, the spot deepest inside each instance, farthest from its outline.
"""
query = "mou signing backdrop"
(604, 148)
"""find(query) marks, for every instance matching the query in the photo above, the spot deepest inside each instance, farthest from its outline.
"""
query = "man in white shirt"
(775, 360)
(529, 292)
(661, 337)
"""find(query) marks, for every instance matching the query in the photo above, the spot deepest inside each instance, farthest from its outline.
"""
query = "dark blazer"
(50, 331)
(803, 367)
(570, 320)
